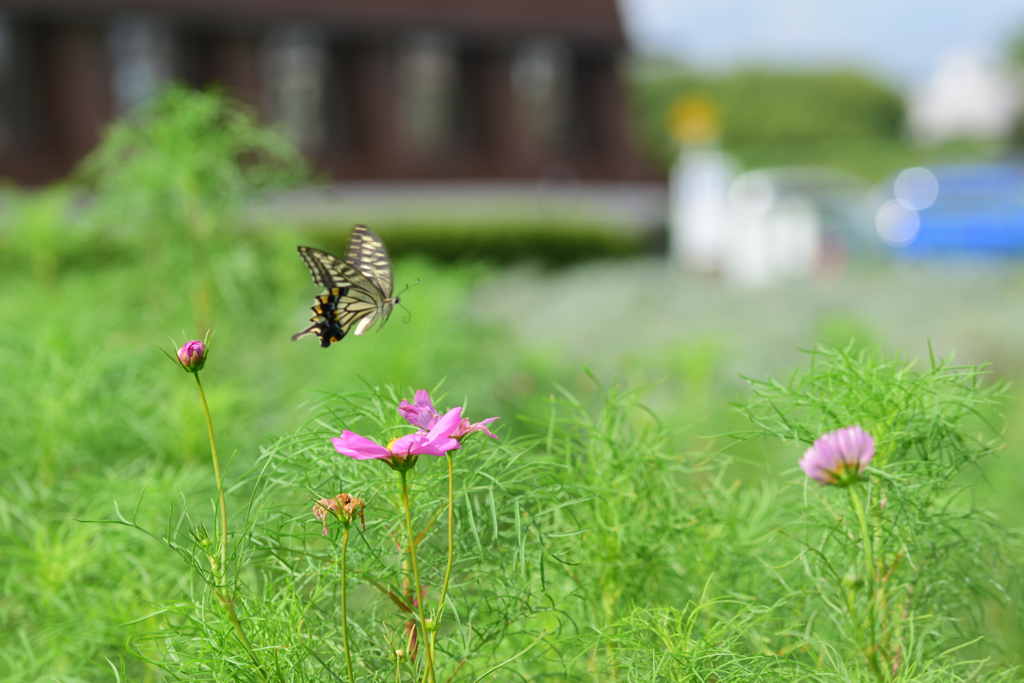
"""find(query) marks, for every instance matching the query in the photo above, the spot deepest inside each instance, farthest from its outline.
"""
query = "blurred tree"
(38, 229)
(1015, 51)
(771, 108)
(175, 171)
(776, 117)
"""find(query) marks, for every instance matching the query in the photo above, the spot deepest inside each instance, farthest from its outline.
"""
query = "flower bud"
(200, 536)
(192, 356)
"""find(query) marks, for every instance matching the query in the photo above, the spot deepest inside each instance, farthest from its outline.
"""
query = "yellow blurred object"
(694, 120)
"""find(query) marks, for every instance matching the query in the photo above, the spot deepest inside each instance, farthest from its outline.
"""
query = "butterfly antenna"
(407, 288)
(408, 313)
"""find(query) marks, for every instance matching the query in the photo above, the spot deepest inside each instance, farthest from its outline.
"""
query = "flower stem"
(858, 508)
(344, 610)
(451, 546)
(425, 638)
(865, 535)
(220, 568)
(220, 483)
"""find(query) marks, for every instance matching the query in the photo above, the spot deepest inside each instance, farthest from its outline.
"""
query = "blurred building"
(764, 226)
(370, 89)
(966, 97)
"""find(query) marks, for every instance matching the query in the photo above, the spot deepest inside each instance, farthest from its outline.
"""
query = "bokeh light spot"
(897, 224)
(916, 188)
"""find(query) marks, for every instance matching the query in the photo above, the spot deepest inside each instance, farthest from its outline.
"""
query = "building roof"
(586, 20)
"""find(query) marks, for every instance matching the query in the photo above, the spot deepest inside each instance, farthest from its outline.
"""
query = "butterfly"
(358, 288)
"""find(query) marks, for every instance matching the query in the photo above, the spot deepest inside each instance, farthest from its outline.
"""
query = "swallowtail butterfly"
(358, 289)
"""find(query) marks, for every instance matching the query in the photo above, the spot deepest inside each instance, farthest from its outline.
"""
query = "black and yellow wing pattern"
(358, 289)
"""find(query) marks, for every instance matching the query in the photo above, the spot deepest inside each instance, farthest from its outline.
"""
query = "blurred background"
(852, 168)
(683, 192)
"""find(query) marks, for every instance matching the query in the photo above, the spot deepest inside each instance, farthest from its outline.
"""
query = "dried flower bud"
(343, 506)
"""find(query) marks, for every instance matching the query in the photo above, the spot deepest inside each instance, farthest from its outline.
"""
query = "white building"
(966, 97)
(762, 226)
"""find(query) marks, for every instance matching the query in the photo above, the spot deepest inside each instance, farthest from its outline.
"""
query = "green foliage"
(552, 244)
(636, 500)
(288, 576)
(174, 175)
(595, 541)
(701, 642)
(916, 576)
(38, 229)
(780, 108)
(774, 108)
(93, 414)
(181, 166)
(774, 118)
(1015, 48)
(594, 531)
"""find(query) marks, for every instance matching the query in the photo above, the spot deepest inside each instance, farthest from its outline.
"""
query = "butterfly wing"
(330, 318)
(367, 253)
(351, 297)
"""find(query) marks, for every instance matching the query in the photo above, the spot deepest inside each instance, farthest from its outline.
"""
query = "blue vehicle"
(955, 209)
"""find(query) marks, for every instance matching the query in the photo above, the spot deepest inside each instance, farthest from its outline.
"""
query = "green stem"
(344, 610)
(220, 483)
(451, 552)
(220, 569)
(869, 559)
(424, 638)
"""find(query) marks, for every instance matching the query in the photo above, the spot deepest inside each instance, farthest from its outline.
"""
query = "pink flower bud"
(192, 356)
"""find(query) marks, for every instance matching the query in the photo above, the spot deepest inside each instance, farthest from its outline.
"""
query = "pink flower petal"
(466, 427)
(407, 445)
(359, 447)
(836, 456)
(438, 440)
(421, 412)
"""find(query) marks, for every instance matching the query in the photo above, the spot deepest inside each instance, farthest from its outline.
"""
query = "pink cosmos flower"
(192, 356)
(422, 414)
(840, 457)
(437, 441)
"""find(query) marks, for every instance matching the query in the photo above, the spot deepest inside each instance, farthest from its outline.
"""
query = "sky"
(900, 40)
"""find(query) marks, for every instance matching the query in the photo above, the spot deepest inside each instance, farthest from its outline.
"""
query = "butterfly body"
(358, 289)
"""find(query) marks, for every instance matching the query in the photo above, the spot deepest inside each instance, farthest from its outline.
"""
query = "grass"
(591, 522)
(595, 540)
(92, 413)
